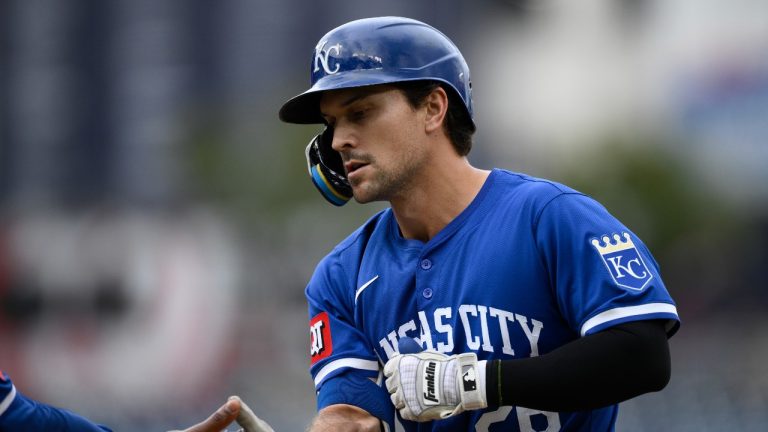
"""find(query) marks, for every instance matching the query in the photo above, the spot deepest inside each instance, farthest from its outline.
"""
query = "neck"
(442, 191)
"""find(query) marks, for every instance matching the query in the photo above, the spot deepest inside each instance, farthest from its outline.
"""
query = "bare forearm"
(344, 418)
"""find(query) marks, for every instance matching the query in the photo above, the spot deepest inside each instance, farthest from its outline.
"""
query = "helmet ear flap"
(326, 169)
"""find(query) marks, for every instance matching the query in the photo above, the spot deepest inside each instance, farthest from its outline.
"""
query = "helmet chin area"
(326, 169)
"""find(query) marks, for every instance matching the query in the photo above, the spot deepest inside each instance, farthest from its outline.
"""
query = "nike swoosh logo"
(364, 286)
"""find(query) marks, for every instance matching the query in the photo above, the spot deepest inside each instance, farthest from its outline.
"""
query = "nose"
(342, 139)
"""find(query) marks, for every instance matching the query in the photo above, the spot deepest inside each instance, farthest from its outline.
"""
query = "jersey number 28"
(524, 419)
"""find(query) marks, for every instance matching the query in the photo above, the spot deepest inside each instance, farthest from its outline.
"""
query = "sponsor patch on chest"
(623, 261)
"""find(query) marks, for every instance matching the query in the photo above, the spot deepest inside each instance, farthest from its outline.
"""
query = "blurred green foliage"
(652, 190)
(706, 248)
(261, 179)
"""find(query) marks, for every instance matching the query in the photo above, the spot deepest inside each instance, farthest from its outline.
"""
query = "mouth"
(353, 166)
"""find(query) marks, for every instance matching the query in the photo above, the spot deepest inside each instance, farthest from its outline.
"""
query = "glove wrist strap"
(471, 382)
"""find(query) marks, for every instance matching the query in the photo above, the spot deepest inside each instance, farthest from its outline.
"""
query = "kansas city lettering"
(440, 321)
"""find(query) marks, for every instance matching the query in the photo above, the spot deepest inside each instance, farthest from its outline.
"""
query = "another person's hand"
(219, 420)
(234, 410)
(249, 421)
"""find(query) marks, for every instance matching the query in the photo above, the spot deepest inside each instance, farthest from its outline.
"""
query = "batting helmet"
(367, 52)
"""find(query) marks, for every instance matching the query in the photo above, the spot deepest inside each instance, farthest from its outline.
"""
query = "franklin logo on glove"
(431, 369)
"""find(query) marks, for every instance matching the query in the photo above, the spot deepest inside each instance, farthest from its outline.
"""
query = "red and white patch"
(321, 345)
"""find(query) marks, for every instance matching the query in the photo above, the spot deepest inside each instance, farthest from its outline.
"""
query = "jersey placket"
(426, 287)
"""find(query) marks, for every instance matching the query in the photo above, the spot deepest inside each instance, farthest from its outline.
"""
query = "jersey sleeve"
(20, 413)
(343, 365)
(602, 274)
(7, 393)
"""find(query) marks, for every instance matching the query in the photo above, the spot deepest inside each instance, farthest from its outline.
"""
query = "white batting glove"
(248, 420)
(430, 386)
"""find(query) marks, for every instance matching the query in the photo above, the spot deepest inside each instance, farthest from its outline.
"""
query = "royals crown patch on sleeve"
(321, 345)
(623, 261)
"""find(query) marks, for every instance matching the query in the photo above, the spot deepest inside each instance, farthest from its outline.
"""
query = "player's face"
(377, 132)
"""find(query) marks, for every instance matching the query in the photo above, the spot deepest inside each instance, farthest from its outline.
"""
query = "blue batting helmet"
(379, 51)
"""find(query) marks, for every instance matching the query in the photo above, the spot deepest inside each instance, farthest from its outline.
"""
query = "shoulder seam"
(535, 223)
(352, 238)
(544, 207)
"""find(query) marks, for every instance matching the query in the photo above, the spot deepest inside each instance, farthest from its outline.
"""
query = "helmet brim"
(304, 108)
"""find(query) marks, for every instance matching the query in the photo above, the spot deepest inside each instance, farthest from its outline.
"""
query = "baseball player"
(479, 300)
(20, 413)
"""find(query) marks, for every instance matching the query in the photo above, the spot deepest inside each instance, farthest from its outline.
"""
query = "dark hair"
(457, 123)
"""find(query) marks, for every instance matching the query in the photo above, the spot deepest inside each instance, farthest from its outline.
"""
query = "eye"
(357, 115)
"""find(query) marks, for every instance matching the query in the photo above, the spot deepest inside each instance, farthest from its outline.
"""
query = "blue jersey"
(528, 266)
(19, 413)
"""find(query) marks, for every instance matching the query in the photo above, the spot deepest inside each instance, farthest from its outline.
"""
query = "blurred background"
(157, 226)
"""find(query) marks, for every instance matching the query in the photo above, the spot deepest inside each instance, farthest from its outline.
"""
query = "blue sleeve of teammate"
(20, 413)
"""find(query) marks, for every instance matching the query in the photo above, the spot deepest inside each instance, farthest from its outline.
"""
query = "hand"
(248, 420)
(219, 420)
(431, 386)
(234, 410)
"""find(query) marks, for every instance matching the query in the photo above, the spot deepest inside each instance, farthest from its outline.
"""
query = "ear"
(436, 105)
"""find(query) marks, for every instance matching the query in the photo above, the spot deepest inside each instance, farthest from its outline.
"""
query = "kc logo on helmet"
(623, 261)
(321, 57)
(321, 345)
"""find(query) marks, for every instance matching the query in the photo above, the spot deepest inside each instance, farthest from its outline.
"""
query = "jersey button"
(426, 264)
(427, 293)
